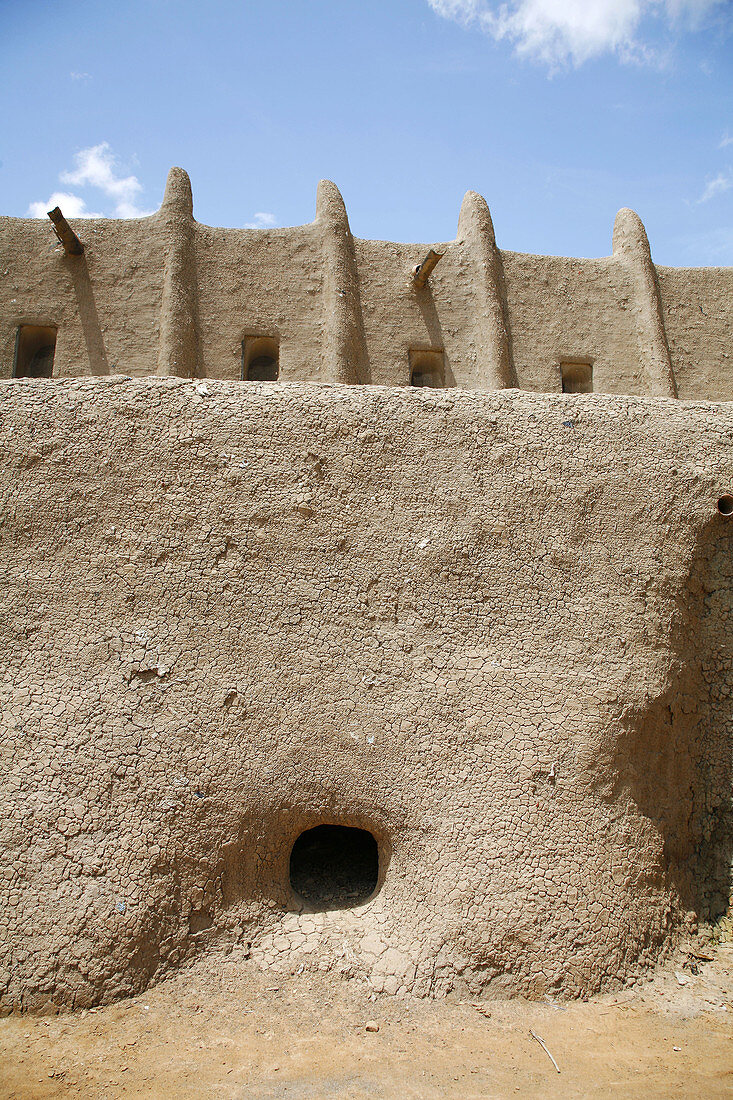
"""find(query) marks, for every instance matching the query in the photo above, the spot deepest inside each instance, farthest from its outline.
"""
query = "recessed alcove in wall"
(260, 359)
(577, 377)
(334, 866)
(427, 368)
(35, 347)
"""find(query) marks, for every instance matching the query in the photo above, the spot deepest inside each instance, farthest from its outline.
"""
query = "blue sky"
(558, 111)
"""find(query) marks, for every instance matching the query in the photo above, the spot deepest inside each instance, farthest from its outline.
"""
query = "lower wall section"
(490, 630)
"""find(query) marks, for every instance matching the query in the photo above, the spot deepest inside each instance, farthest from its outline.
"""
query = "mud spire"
(494, 368)
(345, 351)
(178, 194)
(631, 247)
(178, 348)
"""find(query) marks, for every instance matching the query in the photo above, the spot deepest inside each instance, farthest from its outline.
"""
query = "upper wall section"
(167, 295)
(698, 317)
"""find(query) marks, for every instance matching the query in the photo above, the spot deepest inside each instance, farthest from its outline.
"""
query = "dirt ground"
(224, 1029)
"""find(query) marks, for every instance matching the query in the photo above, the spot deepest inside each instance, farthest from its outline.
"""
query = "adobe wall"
(167, 295)
(698, 313)
(106, 303)
(493, 629)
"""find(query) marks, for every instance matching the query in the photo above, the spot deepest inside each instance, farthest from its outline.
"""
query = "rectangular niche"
(35, 347)
(260, 359)
(427, 368)
(577, 377)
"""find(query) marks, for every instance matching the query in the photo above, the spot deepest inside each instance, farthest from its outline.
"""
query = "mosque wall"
(166, 295)
(491, 630)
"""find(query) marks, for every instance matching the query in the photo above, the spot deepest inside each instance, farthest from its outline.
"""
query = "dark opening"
(725, 505)
(577, 377)
(260, 359)
(35, 346)
(334, 866)
(262, 369)
(427, 368)
(425, 378)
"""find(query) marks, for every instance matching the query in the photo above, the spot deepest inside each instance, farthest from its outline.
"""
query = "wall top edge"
(38, 226)
(208, 390)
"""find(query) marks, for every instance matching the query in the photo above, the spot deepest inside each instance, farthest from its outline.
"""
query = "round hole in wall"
(725, 505)
(334, 866)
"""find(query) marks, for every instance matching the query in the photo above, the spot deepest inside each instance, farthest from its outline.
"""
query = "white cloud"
(80, 76)
(727, 139)
(262, 221)
(558, 32)
(95, 167)
(462, 10)
(72, 206)
(717, 186)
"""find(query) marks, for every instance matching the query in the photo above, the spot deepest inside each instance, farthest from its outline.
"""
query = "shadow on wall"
(677, 761)
(431, 320)
(714, 817)
(88, 315)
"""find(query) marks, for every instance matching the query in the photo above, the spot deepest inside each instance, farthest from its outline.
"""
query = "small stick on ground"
(542, 1044)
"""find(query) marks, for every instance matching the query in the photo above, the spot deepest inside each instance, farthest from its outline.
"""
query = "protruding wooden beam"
(421, 273)
(64, 232)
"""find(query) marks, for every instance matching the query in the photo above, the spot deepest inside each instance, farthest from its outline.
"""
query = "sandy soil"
(224, 1029)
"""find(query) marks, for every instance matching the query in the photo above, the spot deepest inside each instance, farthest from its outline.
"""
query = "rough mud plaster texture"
(168, 295)
(106, 302)
(698, 318)
(492, 629)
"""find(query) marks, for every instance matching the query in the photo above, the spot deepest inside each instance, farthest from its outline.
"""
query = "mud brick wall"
(492, 629)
